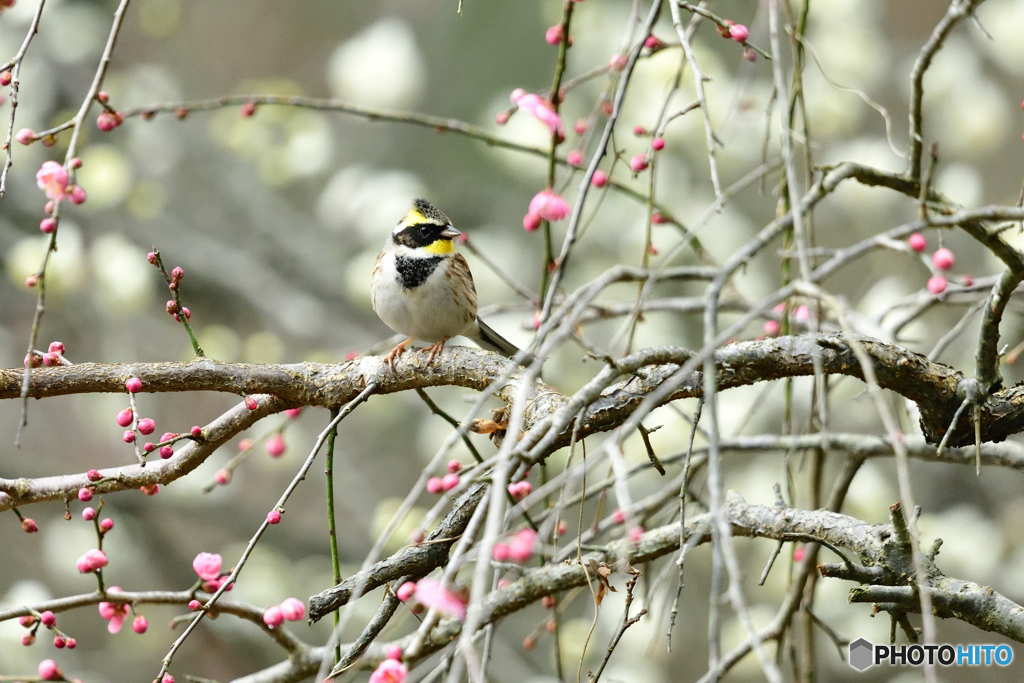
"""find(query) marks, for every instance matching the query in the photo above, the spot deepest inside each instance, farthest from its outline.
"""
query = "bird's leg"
(395, 353)
(434, 349)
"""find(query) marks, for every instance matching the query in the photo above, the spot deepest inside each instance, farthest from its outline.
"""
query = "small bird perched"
(423, 289)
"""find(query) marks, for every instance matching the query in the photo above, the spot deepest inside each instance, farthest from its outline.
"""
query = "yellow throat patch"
(440, 247)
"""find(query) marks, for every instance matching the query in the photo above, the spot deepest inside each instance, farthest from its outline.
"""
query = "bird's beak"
(450, 232)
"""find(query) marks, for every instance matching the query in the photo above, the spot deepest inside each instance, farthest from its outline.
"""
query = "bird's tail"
(492, 341)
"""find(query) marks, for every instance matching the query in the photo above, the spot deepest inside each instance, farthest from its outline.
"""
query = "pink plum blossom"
(549, 206)
(431, 593)
(113, 612)
(52, 178)
(937, 284)
(917, 242)
(207, 566)
(390, 671)
(540, 109)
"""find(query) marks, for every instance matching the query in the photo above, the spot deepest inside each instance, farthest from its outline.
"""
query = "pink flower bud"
(51, 359)
(72, 643)
(618, 62)
(749, 54)
(580, 127)
(657, 144)
(91, 561)
(293, 609)
(575, 158)
(548, 602)
(352, 355)
(658, 218)
(85, 494)
(5, 77)
(275, 446)
(166, 452)
(738, 32)
(29, 526)
(48, 618)
(194, 605)
(223, 478)
(599, 178)
(394, 652)
(48, 670)
(454, 466)
(48, 225)
(654, 43)
(106, 122)
(33, 360)
(917, 242)
(635, 533)
(250, 403)
(273, 517)
(28, 639)
(59, 642)
(405, 591)
(139, 624)
(500, 552)
(102, 96)
(272, 617)
(56, 347)
(554, 35)
(187, 313)
(88, 514)
(943, 259)
(638, 163)
(151, 490)
(26, 136)
(618, 516)
(106, 524)
(293, 413)
(772, 327)
(639, 131)
(147, 425)
(151, 257)
(531, 222)
(76, 195)
(177, 273)
(31, 281)
(171, 307)
(196, 432)
(133, 385)
(124, 417)
(75, 162)
(449, 481)
(967, 281)
(27, 620)
(434, 485)
(502, 118)
(247, 110)
(937, 284)
(167, 436)
(128, 436)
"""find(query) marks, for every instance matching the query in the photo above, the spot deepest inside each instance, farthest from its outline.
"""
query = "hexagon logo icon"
(861, 654)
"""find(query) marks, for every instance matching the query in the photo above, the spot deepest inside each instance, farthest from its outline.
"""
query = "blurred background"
(276, 221)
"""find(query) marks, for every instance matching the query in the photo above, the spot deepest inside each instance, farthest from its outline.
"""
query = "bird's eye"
(424, 231)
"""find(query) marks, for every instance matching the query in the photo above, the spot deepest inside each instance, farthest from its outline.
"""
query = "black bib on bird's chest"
(415, 271)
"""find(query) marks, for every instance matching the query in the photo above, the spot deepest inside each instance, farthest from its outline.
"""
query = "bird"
(422, 287)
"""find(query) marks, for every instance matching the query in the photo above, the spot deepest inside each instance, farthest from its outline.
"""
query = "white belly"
(429, 312)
